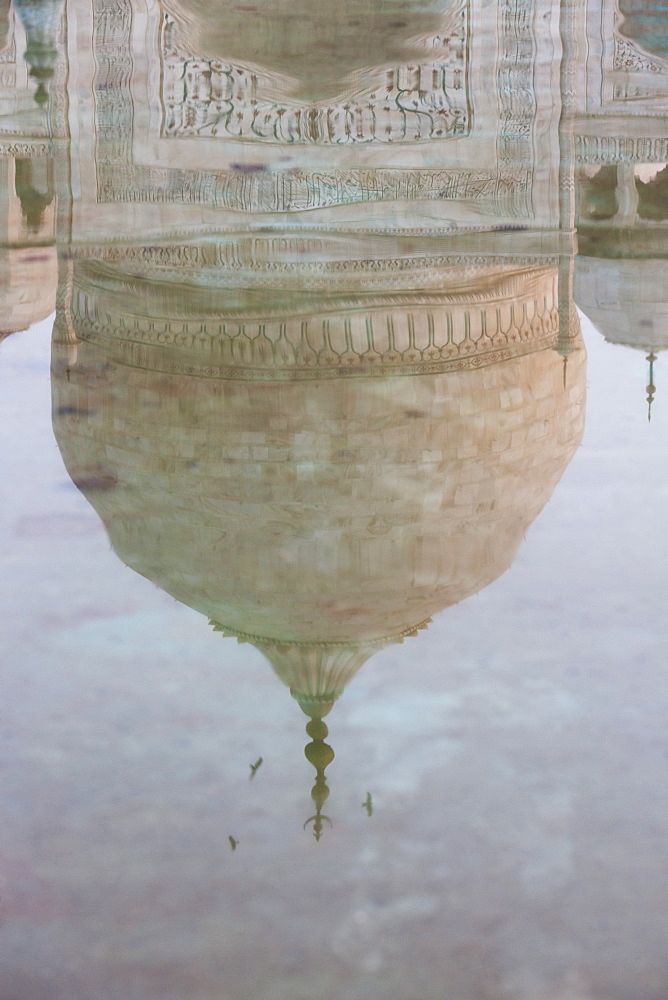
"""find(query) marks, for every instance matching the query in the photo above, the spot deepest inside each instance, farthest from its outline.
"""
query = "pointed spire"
(651, 388)
(42, 94)
(320, 755)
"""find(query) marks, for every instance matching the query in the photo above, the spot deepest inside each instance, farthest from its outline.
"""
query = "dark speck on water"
(72, 411)
(95, 484)
(250, 168)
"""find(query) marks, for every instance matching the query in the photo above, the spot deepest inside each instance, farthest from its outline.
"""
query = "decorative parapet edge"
(25, 148)
(373, 343)
(262, 640)
(351, 336)
(137, 356)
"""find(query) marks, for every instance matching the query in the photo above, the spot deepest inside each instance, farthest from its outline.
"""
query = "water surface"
(333, 554)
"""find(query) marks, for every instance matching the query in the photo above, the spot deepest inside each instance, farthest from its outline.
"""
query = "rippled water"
(353, 393)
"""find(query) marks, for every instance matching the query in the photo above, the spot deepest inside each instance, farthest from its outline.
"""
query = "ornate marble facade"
(169, 120)
(173, 128)
(213, 97)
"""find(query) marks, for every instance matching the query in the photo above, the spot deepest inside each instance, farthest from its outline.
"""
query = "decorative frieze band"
(608, 149)
(300, 190)
(363, 341)
(229, 265)
(268, 642)
(25, 149)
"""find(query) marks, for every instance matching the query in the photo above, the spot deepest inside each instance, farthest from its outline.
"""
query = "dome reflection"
(319, 518)
(315, 504)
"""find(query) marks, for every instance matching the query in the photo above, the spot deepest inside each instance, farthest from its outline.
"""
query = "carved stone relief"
(623, 76)
(630, 58)
(503, 315)
(205, 99)
(619, 149)
(401, 104)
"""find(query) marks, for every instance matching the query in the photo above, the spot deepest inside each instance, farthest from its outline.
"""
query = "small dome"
(625, 298)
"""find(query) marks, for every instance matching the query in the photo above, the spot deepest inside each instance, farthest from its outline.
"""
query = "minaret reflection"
(318, 477)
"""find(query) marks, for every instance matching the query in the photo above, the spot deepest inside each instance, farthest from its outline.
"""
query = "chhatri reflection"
(319, 505)
(28, 257)
(621, 273)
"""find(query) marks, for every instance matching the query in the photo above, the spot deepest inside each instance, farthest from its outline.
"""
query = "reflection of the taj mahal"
(317, 362)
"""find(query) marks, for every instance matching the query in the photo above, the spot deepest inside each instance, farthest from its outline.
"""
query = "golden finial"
(41, 94)
(651, 388)
(320, 755)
